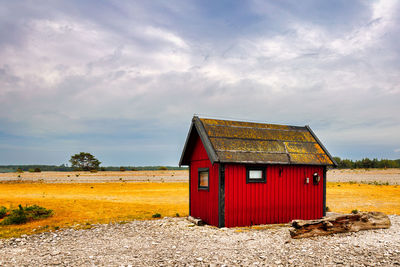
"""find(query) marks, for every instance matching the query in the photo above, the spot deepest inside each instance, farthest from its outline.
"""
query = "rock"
(195, 221)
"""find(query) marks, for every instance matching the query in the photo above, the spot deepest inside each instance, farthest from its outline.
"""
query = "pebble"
(170, 242)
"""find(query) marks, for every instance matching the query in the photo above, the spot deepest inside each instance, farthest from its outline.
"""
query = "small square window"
(255, 175)
(203, 178)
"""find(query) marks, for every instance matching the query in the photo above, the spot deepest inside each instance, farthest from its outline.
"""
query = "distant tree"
(366, 163)
(163, 168)
(37, 170)
(347, 164)
(84, 161)
(19, 170)
(122, 169)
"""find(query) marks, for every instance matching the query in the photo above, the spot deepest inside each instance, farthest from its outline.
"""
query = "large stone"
(196, 221)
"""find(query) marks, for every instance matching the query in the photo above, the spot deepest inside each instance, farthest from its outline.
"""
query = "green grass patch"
(24, 214)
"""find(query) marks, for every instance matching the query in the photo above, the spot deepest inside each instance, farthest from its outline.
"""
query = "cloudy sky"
(122, 79)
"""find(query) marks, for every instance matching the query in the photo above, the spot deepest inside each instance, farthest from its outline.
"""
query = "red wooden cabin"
(245, 173)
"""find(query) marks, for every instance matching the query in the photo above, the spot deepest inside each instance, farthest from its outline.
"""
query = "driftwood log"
(339, 223)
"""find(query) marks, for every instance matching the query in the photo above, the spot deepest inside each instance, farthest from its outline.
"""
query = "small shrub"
(19, 170)
(16, 216)
(93, 170)
(122, 169)
(156, 215)
(163, 168)
(36, 212)
(77, 175)
(31, 170)
(354, 211)
(177, 215)
(19, 176)
(3, 212)
(37, 170)
(56, 227)
(24, 215)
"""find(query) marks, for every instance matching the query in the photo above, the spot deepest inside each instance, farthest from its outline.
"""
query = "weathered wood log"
(339, 223)
(196, 221)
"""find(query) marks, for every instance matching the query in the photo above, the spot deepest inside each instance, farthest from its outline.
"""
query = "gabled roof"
(255, 143)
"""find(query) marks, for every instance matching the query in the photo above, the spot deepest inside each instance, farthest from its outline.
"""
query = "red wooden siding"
(279, 200)
(203, 204)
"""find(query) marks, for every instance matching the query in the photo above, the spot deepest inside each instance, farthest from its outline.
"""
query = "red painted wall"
(203, 204)
(279, 200)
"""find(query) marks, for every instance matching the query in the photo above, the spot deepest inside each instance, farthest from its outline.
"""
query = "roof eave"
(185, 146)
(212, 155)
(322, 146)
(199, 127)
(271, 163)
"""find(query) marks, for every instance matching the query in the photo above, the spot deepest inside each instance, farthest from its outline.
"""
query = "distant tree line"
(34, 168)
(367, 163)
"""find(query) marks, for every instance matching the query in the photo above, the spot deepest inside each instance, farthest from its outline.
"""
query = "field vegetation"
(81, 205)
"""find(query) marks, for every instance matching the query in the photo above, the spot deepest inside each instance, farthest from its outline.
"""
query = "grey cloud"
(135, 73)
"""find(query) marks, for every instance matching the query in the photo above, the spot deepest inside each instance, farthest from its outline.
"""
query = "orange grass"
(118, 202)
(345, 197)
(87, 204)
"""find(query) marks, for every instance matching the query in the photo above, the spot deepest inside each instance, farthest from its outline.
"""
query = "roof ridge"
(241, 120)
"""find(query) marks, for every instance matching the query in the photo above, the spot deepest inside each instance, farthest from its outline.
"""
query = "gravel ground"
(391, 176)
(98, 177)
(175, 241)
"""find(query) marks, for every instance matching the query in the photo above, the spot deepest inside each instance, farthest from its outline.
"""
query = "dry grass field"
(345, 197)
(86, 204)
(83, 204)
